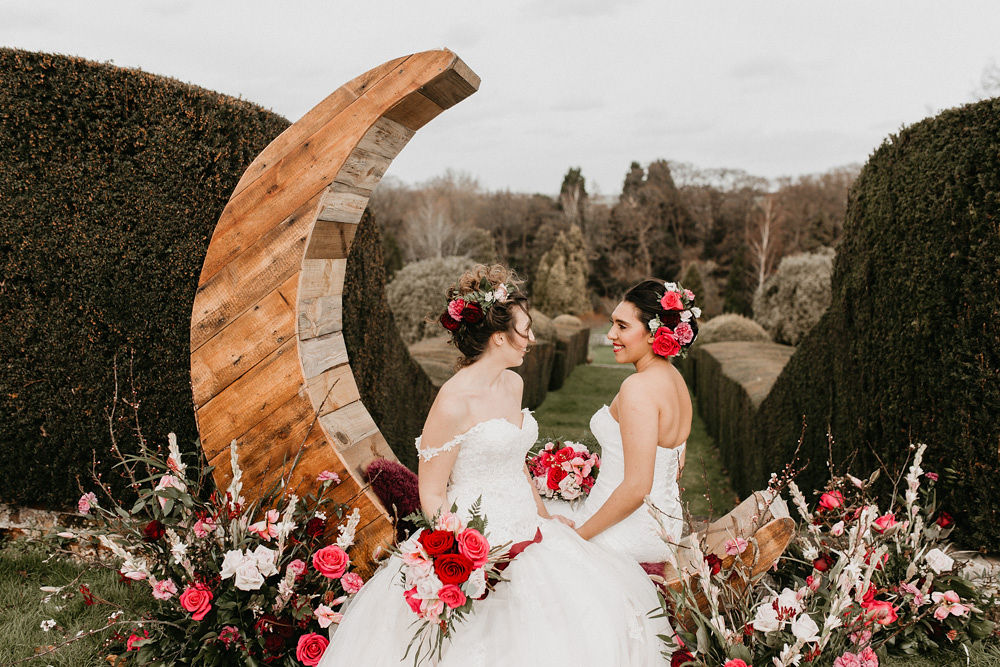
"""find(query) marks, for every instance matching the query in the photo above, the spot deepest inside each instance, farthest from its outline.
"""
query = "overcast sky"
(775, 88)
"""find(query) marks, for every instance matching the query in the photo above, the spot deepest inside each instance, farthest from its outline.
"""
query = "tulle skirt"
(567, 602)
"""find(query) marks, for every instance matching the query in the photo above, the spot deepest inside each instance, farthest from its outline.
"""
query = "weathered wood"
(269, 367)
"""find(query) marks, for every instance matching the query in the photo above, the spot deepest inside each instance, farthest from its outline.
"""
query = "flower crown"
(471, 307)
(679, 304)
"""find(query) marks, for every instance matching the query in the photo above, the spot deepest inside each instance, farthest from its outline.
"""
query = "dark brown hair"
(646, 296)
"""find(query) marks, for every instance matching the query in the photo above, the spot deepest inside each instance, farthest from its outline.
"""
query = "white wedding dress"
(639, 534)
(567, 602)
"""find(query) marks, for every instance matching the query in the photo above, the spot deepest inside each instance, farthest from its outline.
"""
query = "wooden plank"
(386, 138)
(311, 166)
(363, 169)
(413, 111)
(251, 398)
(314, 119)
(372, 541)
(363, 452)
(256, 272)
(244, 342)
(330, 240)
(320, 316)
(341, 205)
(321, 354)
(322, 277)
(349, 427)
(452, 86)
(285, 428)
(333, 389)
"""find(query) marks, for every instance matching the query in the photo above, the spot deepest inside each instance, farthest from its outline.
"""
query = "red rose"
(714, 563)
(315, 527)
(882, 612)
(153, 531)
(472, 313)
(197, 599)
(823, 563)
(554, 477)
(448, 323)
(681, 656)
(472, 544)
(310, 648)
(331, 561)
(665, 344)
(452, 596)
(671, 301)
(437, 542)
(944, 520)
(831, 500)
(453, 568)
(735, 662)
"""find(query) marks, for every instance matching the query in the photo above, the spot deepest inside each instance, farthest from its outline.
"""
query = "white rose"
(805, 629)
(570, 489)
(766, 619)
(672, 287)
(248, 577)
(939, 561)
(428, 587)
(476, 584)
(696, 311)
(789, 599)
(265, 559)
(230, 563)
(686, 315)
(418, 572)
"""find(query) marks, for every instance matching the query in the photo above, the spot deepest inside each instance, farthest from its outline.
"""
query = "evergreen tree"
(736, 296)
(560, 284)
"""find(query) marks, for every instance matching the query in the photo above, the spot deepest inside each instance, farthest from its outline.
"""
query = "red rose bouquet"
(446, 566)
(564, 470)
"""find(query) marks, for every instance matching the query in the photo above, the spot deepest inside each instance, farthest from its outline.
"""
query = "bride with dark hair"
(643, 432)
(566, 601)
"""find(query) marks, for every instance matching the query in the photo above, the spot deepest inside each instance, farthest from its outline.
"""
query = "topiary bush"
(111, 183)
(910, 348)
(417, 294)
(791, 301)
(731, 327)
(560, 282)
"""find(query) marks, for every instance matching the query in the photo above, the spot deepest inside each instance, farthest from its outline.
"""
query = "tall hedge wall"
(910, 348)
(111, 182)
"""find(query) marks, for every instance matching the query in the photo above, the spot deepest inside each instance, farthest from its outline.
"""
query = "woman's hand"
(561, 518)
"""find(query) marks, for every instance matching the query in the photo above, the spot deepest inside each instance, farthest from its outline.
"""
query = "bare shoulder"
(514, 379)
(451, 405)
(636, 387)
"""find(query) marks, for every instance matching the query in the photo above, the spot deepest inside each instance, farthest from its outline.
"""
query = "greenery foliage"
(112, 182)
(731, 327)
(417, 294)
(791, 301)
(560, 282)
(908, 351)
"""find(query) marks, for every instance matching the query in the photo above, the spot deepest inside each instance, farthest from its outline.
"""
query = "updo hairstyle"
(647, 297)
(471, 335)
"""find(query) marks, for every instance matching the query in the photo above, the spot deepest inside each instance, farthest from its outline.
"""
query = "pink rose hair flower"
(455, 308)
(684, 333)
(671, 301)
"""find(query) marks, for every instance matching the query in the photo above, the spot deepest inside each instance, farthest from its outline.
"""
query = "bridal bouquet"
(564, 470)
(447, 565)
(229, 582)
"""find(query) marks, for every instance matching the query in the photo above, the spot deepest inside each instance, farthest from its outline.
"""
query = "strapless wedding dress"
(567, 602)
(637, 535)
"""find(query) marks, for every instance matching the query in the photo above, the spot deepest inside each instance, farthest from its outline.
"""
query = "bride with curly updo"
(566, 601)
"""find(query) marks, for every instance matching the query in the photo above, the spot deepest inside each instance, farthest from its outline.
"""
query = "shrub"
(908, 351)
(792, 300)
(560, 283)
(731, 327)
(112, 182)
(417, 294)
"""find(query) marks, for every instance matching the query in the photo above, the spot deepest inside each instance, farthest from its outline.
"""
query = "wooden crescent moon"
(267, 350)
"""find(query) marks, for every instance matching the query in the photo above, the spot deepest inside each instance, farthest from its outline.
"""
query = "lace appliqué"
(428, 454)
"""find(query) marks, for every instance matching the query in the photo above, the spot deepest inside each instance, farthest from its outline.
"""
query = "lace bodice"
(490, 465)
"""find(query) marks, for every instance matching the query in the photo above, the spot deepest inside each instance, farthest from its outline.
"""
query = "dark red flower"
(448, 323)
(153, 531)
(555, 475)
(436, 542)
(453, 568)
(680, 658)
(88, 597)
(823, 563)
(472, 313)
(944, 520)
(714, 563)
(315, 527)
(274, 643)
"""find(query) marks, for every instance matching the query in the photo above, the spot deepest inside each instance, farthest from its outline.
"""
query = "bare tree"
(762, 236)
(430, 230)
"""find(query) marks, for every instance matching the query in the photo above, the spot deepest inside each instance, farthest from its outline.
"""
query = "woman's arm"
(433, 473)
(639, 423)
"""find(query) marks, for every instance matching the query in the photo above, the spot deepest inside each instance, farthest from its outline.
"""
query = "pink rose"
(352, 582)
(431, 610)
(455, 308)
(736, 546)
(163, 590)
(689, 295)
(735, 662)
(327, 476)
(684, 333)
(882, 612)
(884, 522)
(412, 599)
(671, 301)
(452, 596)
(665, 344)
(474, 546)
(203, 527)
(310, 648)
(297, 567)
(831, 500)
(197, 599)
(331, 561)
(448, 521)
(86, 501)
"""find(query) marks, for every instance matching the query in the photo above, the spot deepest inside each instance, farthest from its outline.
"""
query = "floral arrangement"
(226, 588)
(856, 584)
(673, 333)
(471, 307)
(564, 470)
(448, 564)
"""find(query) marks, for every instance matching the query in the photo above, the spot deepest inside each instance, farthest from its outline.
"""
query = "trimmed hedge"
(572, 348)
(111, 182)
(910, 349)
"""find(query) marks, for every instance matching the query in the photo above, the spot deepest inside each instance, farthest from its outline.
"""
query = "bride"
(643, 432)
(567, 602)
